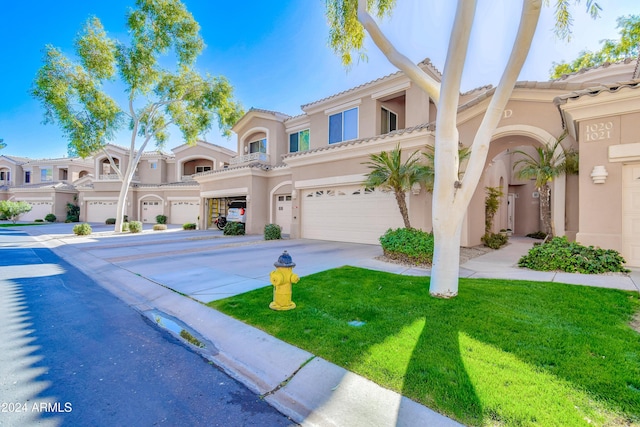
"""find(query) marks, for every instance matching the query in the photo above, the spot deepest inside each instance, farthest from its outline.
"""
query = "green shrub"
(233, 229)
(125, 227)
(82, 229)
(494, 240)
(38, 220)
(158, 227)
(189, 226)
(110, 221)
(272, 232)
(50, 218)
(73, 212)
(135, 226)
(408, 245)
(537, 235)
(572, 257)
(161, 219)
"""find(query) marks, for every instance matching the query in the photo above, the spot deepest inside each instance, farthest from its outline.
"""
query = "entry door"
(511, 212)
(283, 213)
(631, 214)
(150, 210)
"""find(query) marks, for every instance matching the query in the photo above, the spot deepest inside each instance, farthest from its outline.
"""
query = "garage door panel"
(99, 211)
(38, 211)
(349, 214)
(183, 212)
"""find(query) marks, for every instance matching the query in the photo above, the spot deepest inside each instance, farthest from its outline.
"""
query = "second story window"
(153, 165)
(343, 126)
(46, 175)
(299, 141)
(27, 177)
(200, 169)
(388, 121)
(259, 146)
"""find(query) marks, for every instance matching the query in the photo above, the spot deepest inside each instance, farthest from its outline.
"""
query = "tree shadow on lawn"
(502, 352)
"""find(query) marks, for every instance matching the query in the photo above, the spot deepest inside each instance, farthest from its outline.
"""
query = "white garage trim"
(330, 181)
(217, 194)
(271, 194)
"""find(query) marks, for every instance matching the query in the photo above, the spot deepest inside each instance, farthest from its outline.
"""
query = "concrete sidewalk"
(150, 272)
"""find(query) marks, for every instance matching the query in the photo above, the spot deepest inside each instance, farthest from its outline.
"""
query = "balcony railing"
(114, 177)
(6, 182)
(261, 157)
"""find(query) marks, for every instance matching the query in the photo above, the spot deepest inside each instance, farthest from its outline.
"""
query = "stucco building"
(305, 172)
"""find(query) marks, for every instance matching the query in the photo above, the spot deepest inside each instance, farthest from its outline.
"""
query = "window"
(202, 169)
(388, 121)
(343, 126)
(46, 175)
(299, 141)
(258, 146)
(153, 165)
(2, 174)
(27, 177)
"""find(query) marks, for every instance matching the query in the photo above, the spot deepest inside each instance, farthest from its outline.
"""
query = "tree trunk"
(402, 204)
(446, 255)
(545, 210)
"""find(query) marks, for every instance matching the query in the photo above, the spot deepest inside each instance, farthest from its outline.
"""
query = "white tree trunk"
(450, 197)
(447, 228)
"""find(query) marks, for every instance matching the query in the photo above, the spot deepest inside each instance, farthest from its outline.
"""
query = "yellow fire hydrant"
(281, 279)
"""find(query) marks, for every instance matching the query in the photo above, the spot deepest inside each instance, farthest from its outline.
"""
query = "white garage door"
(100, 210)
(283, 213)
(184, 211)
(348, 214)
(631, 215)
(38, 211)
(150, 210)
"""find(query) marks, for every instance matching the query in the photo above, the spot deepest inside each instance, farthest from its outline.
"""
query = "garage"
(348, 214)
(150, 209)
(631, 215)
(283, 213)
(184, 211)
(100, 210)
(39, 209)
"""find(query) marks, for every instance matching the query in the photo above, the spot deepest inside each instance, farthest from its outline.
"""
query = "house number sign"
(599, 131)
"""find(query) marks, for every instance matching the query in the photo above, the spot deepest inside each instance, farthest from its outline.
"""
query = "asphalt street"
(72, 354)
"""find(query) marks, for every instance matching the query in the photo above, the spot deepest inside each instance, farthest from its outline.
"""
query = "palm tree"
(430, 156)
(549, 162)
(389, 173)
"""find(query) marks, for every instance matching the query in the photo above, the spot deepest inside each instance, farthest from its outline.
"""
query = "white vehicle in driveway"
(237, 211)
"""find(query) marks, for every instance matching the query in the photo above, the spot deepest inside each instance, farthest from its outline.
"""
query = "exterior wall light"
(415, 189)
(599, 174)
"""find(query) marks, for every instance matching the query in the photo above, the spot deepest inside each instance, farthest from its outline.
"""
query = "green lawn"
(501, 353)
(4, 225)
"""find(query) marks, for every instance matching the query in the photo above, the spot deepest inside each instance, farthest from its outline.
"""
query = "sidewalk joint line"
(286, 381)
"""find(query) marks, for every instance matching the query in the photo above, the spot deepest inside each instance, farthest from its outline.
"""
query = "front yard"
(501, 353)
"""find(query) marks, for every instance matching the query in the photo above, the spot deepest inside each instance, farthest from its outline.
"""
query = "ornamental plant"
(233, 229)
(408, 245)
(272, 232)
(135, 226)
(82, 229)
(559, 254)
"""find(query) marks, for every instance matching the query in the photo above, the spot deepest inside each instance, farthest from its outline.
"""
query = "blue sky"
(275, 53)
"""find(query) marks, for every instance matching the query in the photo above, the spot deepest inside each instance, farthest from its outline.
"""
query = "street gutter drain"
(177, 329)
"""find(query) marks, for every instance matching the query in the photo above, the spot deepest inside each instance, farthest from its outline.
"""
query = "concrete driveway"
(207, 265)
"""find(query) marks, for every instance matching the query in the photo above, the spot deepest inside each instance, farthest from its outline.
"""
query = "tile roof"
(56, 185)
(604, 65)
(425, 127)
(596, 90)
(425, 63)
